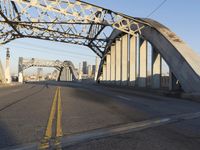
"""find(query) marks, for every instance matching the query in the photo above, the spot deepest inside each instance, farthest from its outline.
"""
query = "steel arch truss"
(69, 21)
(25, 63)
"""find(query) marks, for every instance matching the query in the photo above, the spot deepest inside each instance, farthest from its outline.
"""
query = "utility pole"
(7, 70)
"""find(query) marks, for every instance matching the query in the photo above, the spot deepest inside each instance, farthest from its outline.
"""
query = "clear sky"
(181, 16)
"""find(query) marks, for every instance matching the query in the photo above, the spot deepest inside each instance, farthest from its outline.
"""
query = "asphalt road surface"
(75, 116)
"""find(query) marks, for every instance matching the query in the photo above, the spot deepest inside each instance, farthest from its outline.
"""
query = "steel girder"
(69, 21)
(25, 63)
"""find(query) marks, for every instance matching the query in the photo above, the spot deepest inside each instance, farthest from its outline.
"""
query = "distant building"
(85, 71)
(93, 69)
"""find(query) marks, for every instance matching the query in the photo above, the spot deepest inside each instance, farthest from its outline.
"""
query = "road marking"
(124, 129)
(124, 98)
(59, 115)
(56, 105)
(59, 132)
(114, 131)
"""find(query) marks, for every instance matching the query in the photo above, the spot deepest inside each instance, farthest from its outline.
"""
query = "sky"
(181, 16)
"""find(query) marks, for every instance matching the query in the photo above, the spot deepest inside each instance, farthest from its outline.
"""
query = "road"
(75, 116)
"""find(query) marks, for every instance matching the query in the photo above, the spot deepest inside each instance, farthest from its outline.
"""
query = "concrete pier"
(118, 62)
(133, 61)
(156, 69)
(142, 63)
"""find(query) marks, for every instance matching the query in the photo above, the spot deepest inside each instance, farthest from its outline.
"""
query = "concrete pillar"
(104, 73)
(96, 68)
(20, 77)
(71, 76)
(156, 69)
(133, 61)
(118, 62)
(142, 63)
(80, 72)
(68, 74)
(124, 49)
(7, 70)
(113, 63)
(108, 59)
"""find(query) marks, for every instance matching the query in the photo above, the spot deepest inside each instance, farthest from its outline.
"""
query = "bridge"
(126, 108)
(67, 71)
(85, 24)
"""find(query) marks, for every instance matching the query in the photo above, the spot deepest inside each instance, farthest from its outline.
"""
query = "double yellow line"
(56, 105)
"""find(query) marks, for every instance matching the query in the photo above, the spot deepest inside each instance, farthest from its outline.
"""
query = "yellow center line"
(59, 132)
(48, 133)
(56, 104)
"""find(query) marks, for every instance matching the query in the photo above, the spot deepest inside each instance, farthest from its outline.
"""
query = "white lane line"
(126, 128)
(124, 98)
(117, 130)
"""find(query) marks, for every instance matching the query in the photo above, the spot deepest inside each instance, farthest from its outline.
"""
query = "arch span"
(25, 63)
(183, 62)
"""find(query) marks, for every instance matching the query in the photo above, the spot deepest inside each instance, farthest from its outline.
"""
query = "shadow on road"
(6, 137)
(21, 99)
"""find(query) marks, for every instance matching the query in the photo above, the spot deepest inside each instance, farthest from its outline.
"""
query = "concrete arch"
(182, 60)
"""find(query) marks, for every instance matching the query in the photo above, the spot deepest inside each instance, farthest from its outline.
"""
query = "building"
(93, 69)
(85, 71)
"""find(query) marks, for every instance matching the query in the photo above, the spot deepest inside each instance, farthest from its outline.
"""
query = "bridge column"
(80, 72)
(142, 63)
(96, 68)
(156, 69)
(133, 61)
(7, 70)
(104, 73)
(113, 64)
(125, 59)
(68, 74)
(118, 62)
(108, 59)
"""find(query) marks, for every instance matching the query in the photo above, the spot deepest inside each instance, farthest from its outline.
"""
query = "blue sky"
(182, 17)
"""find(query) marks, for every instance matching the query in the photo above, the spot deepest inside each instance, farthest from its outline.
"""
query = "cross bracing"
(69, 21)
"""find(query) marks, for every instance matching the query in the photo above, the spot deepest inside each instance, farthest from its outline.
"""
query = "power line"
(158, 7)
(57, 52)
(45, 47)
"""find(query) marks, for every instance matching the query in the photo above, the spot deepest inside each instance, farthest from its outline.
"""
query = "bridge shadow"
(21, 99)
(72, 84)
(7, 139)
